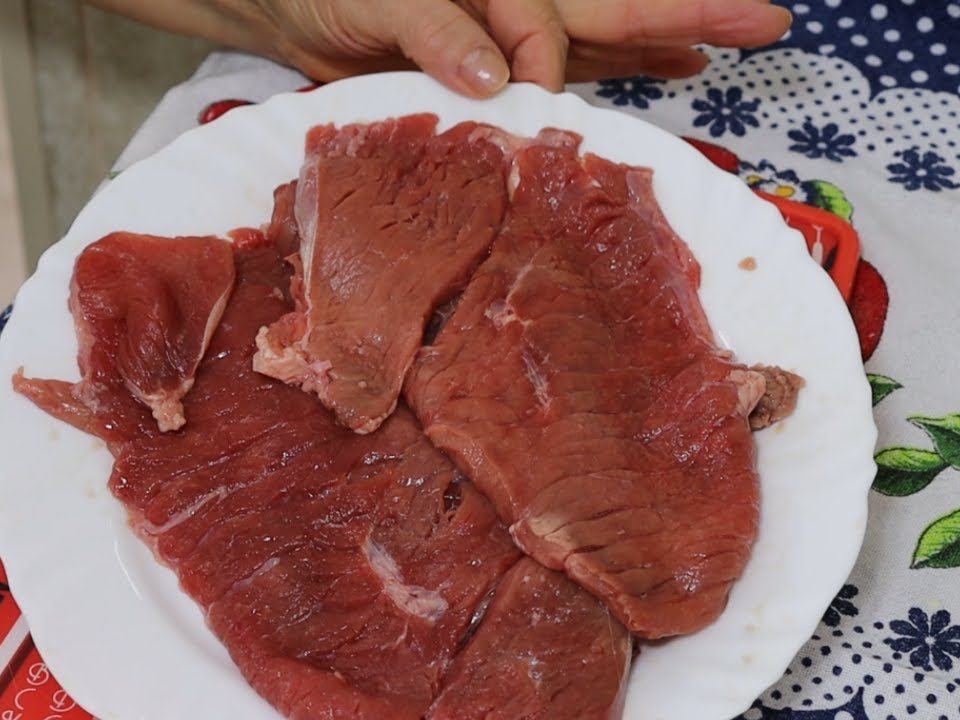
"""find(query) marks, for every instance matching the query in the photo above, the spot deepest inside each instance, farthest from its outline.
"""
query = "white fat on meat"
(541, 388)
(263, 569)
(501, 314)
(750, 388)
(184, 514)
(166, 405)
(289, 364)
(412, 599)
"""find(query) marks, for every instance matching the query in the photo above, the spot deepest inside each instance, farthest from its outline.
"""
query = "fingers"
(448, 44)
(532, 35)
(587, 63)
(317, 67)
(468, 54)
(675, 23)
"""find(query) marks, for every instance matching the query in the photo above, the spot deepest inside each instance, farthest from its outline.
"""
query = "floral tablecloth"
(855, 111)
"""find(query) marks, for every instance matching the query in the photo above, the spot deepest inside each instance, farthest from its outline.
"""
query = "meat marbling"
(342, 571)
(578, 385)
(376, 205)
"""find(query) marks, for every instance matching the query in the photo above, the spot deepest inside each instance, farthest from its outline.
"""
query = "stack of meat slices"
(471, 528)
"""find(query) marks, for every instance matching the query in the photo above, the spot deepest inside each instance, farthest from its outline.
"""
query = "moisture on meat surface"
(393, 219)
(542, 652)
(159, 301)
(341, 571)
(578, 385)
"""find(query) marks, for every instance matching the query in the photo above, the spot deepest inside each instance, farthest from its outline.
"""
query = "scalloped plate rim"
(715, 685)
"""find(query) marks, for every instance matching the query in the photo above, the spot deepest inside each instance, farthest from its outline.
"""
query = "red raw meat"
(376, 205)
(538, 614)
(145, 308)
(283, 231)
(341, 571)
(578, 385)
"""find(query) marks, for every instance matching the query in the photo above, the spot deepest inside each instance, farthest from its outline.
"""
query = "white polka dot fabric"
(809, 93)
(851, 79)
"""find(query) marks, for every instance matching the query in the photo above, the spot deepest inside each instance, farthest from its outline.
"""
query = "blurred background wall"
(76, 84)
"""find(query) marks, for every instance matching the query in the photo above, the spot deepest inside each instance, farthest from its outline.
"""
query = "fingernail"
(784, 13)
(484, 71)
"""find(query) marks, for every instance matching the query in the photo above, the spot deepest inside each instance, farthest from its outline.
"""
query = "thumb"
(449, 45)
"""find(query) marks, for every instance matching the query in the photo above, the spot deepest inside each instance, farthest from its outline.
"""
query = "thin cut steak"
(341, 571)
(539, 614)
(393, 219)
(158, 300)
(169, 295)
(362, 584)
(578, 385)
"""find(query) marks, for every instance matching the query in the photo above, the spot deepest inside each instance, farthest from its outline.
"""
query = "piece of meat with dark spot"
(439, 319)
(779, 399)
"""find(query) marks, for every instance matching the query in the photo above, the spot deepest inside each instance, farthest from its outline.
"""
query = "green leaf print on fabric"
(905, 471)
(881, 386)
(945, 433)
(939, 545)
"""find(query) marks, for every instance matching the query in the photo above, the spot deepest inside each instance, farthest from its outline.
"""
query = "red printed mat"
(28, 691)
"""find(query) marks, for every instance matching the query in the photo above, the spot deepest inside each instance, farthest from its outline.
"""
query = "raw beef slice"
(282, 230)
(342, 572)
(393, 219)
(541, 652)
(158, 300)
(578, 385)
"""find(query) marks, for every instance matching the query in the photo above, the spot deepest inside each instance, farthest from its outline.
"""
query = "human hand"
(474, 46)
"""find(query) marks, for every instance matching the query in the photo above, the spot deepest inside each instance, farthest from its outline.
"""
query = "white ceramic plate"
(112, 623)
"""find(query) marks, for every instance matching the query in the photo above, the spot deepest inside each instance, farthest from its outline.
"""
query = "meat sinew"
(541, 651)
(146, 307)
(393, 219)
(578, 385)
(342, 571)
